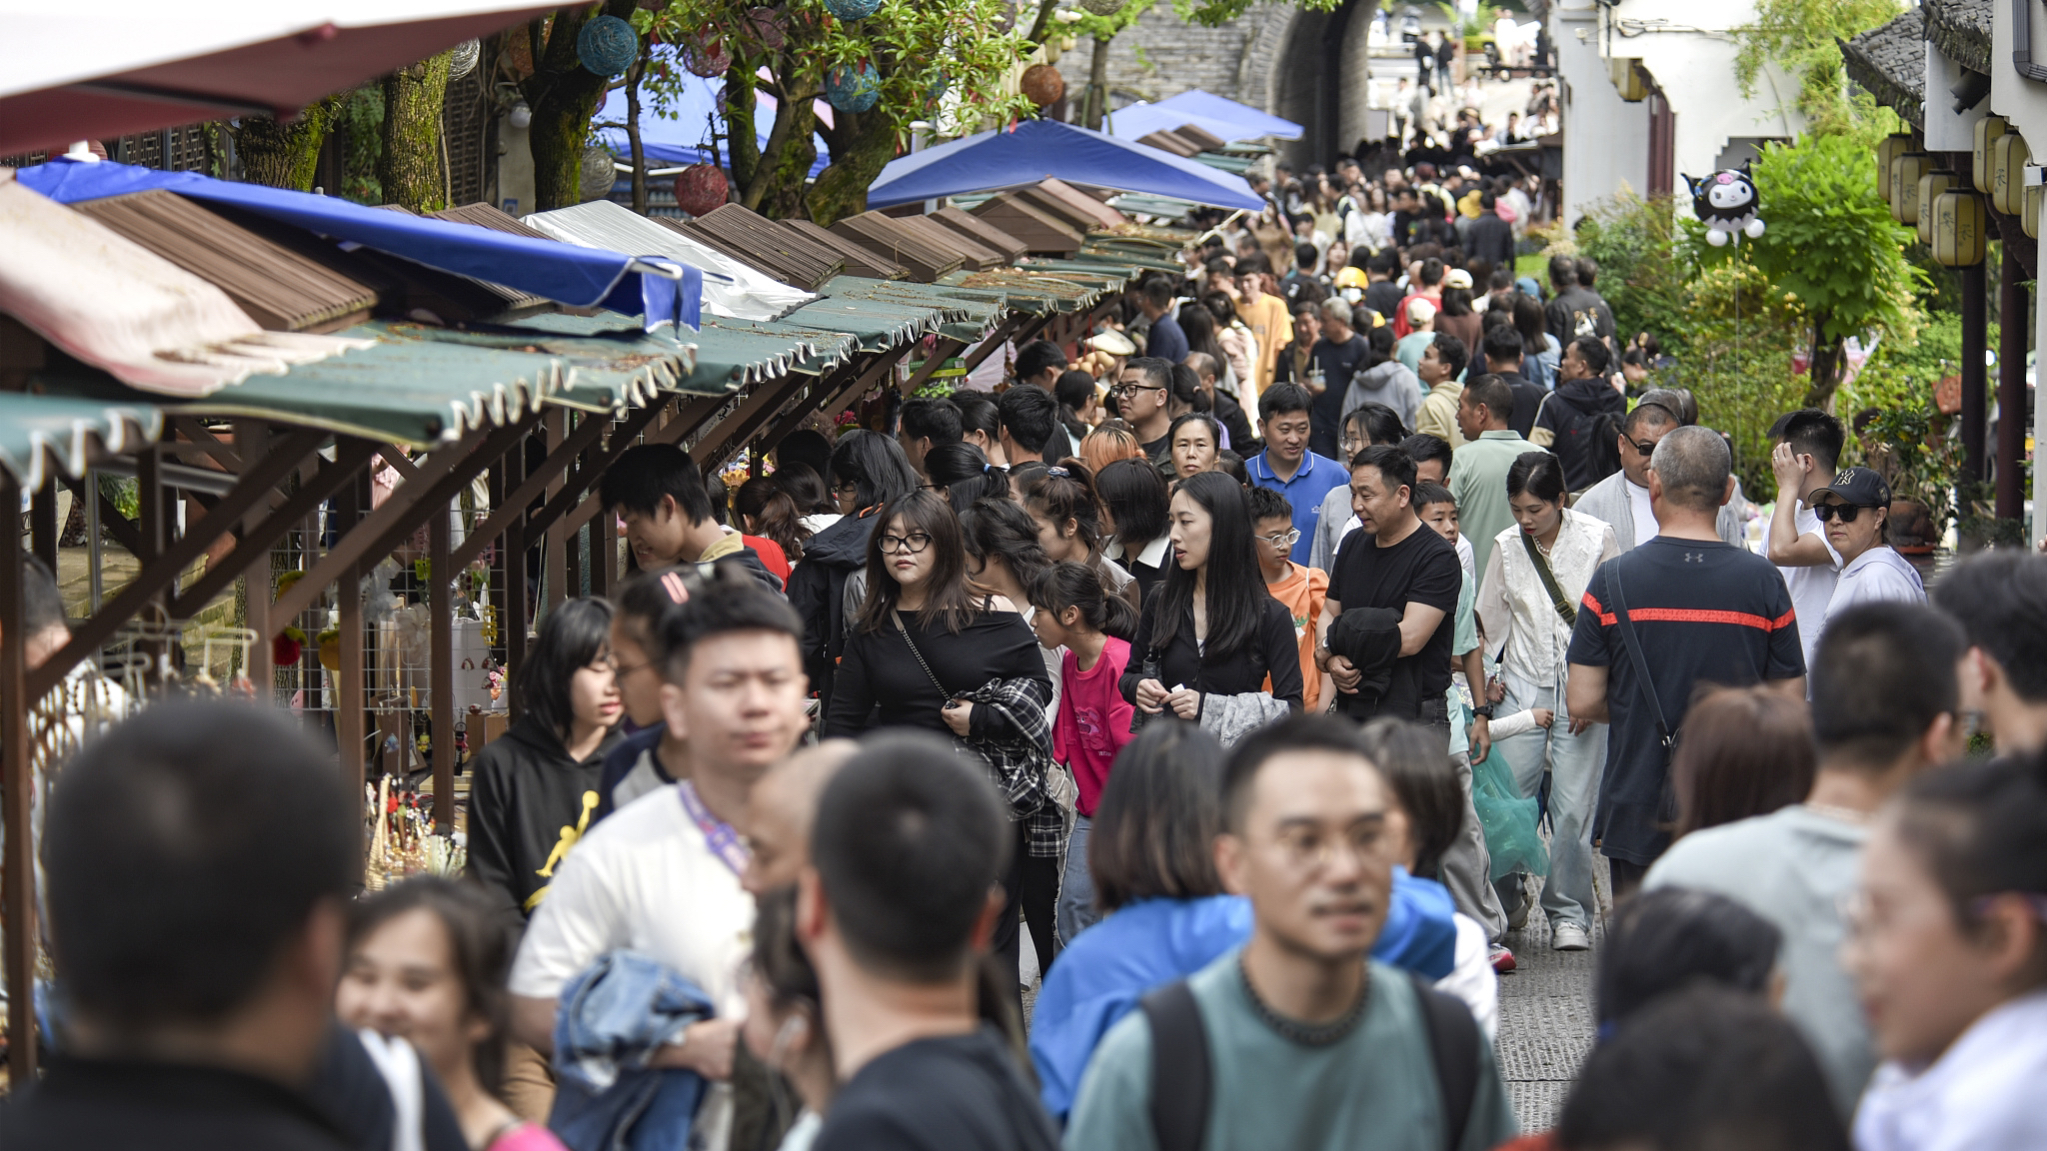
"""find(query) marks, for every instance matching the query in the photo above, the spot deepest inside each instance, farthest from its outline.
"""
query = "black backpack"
(1182, 1078)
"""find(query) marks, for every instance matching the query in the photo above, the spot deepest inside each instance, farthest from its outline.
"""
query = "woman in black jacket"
(868, 470)
(1212, 629)
(926, 637)
(534, 792)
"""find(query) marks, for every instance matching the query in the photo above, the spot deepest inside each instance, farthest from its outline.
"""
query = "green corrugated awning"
(42, 432)
(421, 385)
(736, 353)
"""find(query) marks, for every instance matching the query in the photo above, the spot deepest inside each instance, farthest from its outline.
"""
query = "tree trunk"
(1827, 361)
(283, 155)
(742, 135)
(410, 167)
(563, 96)
(633, 76)
(862, 144)
(783, 187)
(1097, 85)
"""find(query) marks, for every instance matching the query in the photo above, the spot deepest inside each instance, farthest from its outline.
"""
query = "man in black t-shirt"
(893, 911)
(1337, 355)
(1394, 562)
(1703, 611)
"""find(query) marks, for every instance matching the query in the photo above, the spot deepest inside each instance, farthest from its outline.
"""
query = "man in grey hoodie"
(1387, 382)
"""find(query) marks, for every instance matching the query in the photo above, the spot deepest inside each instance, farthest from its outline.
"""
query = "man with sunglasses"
(1622, 499)
(1852, 511)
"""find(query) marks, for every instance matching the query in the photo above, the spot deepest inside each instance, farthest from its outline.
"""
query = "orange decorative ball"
(1043, 84)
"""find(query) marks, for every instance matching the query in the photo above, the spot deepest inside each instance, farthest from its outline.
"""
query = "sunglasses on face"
(1647, 449)
(1846, 512)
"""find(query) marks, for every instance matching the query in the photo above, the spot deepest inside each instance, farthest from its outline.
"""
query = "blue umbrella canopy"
(1037, 149)
(1250, 121)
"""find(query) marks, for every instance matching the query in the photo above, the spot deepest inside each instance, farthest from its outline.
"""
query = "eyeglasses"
(912, 544)
(1282, 540)
(1126, 389)
(847, 487)
(1846, 512)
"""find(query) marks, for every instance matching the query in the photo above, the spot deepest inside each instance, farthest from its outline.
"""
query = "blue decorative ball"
(852, 10)
(607, 45)
(851, 90)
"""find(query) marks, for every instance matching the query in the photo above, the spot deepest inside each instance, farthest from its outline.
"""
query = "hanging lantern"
(706, 57)
(1987, 132)
(2008, 159)
(1905, 173)
(701, 188)
(852, 11)
(852, 89)
(1103, 7)
(1959, 220)
(2030, 220)
(766, 26)
(462, 61)
(598, 175)
(1887, 149)
(518, 50)
(1931, 185)
(1043, 84)
(607, 45)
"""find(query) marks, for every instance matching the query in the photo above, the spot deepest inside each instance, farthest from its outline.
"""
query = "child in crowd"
(1301, 588)
(1074, 612)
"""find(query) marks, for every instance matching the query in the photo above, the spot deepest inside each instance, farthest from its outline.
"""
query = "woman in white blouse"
(1517, 606)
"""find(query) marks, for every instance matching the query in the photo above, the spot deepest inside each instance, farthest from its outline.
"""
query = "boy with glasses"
(1299, 587)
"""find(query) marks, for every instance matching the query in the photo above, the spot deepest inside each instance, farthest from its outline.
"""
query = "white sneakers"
(1569, 937)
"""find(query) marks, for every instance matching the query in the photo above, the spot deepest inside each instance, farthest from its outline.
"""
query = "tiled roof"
(1961, 30)
(1890, 64)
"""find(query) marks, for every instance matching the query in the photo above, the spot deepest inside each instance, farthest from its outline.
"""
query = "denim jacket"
(613, 1018)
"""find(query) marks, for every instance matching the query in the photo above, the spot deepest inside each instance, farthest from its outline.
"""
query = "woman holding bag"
(1211, 633)
(929, 651)
(1528, 596)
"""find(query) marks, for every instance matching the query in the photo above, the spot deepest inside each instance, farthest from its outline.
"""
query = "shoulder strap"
(1634, 646)
(1549, 581)
(912, 645)
(1453, 1045)
(1182, 1080)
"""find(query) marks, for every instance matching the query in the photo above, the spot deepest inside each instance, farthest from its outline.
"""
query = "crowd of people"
(1246, 728)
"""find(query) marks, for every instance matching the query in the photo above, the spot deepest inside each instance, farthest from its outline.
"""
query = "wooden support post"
(1975, 335)
(43, 525)
(554, 552)
(253, 437)
(351, 704)
(18, 892)
(2012, 308)
(441, 689)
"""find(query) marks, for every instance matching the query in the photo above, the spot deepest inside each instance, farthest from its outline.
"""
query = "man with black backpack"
(1579, 419)
(1682, 609)
(1297, 1040)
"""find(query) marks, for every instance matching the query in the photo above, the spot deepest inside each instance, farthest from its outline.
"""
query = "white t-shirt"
(1646, 527)
(1811, 587)
(644, 880)
(1472, 977)
(1874, 576)
(1973, 1098)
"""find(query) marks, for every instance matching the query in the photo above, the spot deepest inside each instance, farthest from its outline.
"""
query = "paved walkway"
(1546, 1023)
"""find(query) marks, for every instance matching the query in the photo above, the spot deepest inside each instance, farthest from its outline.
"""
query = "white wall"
(1606, 139)
(2024, 103)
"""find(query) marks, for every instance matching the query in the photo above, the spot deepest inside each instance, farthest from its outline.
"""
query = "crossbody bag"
(1666, 807)
(1549, 581)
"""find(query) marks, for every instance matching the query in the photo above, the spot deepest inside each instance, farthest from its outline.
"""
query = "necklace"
(1308, 1034)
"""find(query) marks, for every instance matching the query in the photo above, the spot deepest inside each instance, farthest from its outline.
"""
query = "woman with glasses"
(1063, 504)
(924, 642)
(1194, 440)
(1135, 506)
(1548, 546)
(534, 792)
(868, 469)
(1211, 630)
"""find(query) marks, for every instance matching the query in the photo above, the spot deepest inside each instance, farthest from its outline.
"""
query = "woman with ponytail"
(1062, 502)
(765, 509)
(1092, 629)
(962, 474)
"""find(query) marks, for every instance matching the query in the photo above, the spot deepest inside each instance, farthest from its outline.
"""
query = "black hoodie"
(528, 805)
(1582, 417)
(817, 590)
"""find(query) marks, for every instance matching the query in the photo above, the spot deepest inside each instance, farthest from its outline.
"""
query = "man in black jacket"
(1490, 238)
(1577, 310)
(1580, 421)
(1502, 349)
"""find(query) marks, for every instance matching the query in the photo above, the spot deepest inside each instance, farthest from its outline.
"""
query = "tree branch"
(1045, 9)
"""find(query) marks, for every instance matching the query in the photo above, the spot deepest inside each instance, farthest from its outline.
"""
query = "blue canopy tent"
(662, 289)
(1036, 149)
(1252, 122)
(1140, 120)
(680, 137)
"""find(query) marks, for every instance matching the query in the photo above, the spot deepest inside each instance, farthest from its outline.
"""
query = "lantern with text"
(1931, 185)
(1959, 219)
(1905, 173)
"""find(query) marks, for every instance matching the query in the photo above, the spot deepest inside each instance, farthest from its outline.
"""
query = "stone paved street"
(1546, 1023)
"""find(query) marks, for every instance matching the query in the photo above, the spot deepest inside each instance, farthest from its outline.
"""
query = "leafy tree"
(563, 96)
(1803, 38)
(1212, 13)
(1102, 30)
(1831, 242)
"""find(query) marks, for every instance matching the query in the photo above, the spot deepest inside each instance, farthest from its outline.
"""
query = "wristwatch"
(1484, 712)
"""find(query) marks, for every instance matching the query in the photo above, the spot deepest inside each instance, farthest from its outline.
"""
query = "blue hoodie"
(1108, 968)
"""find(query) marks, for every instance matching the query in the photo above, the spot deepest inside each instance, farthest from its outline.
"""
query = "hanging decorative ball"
(607, 45)
(706, 57)
(1043, 84)
(852, 90)
(597, 174)
(1103, 7)
(700, 188)
(462, 61)
(852, 10)
(766, 26)
(519, 51)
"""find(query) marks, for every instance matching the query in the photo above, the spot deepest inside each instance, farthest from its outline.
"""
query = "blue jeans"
(1077, 887)
(1574, 763)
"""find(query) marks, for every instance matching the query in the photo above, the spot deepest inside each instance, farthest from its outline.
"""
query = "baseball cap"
(1420, 311)
(1113, 342)
(1457, 278)
(1858, 486)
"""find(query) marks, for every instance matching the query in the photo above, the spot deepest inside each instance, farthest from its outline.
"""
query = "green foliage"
(1802, 37)
(1478, 26)
(1213, 13)
(1910, 445)
(1091, 26)
(359, 117)
(1737, 341)
(1831, 240)
(1646, 263)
